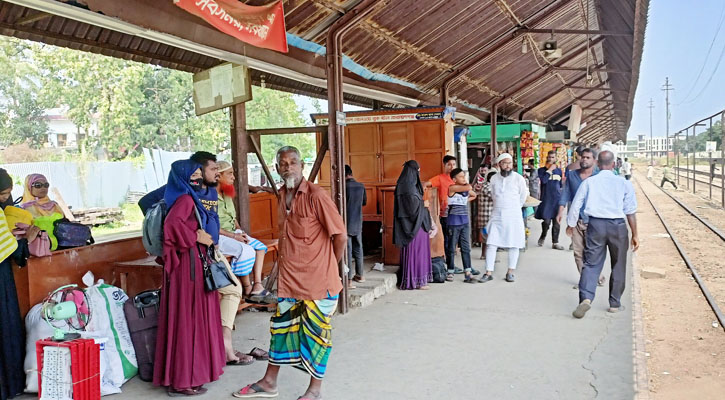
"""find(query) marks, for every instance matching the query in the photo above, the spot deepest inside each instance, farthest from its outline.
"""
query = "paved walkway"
(496, 340)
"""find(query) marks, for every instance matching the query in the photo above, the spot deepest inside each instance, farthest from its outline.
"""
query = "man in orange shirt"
(442, 182)
(312, 241)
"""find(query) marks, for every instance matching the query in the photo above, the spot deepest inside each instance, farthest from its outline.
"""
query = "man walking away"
(667, 177)
(356, 199)
(607, 201)
(550, 177)
(650, 172)
(506, 227)
(574, 179)
(627, 169)
(311, 244)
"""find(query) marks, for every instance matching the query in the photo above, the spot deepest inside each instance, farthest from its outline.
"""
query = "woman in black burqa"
(412, 229)
(12, 336)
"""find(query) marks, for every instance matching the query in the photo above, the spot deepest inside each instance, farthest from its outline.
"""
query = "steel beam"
(548, 96)
(574, 32)
(493, 46)
(335, 131)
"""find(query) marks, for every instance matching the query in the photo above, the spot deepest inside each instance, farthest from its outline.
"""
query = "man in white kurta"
(506, 226)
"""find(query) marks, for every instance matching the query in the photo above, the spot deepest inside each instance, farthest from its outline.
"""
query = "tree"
(136, 105)
(21, 104)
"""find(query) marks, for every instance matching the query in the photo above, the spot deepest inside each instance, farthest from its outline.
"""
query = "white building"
(63, 133)
(642, 146)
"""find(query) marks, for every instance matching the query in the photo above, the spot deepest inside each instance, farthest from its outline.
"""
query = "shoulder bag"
(216, 273)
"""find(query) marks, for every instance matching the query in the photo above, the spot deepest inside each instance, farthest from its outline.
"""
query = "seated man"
(247, 252)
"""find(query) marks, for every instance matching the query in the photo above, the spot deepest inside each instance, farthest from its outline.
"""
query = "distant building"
(642, 146)
(63, 133)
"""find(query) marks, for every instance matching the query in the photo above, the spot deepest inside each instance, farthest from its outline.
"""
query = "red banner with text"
(261, 26)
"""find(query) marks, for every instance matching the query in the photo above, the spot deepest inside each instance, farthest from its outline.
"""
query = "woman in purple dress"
(411, 230)
(189, 342)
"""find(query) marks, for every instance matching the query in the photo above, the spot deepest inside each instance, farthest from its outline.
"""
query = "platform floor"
(496, 340)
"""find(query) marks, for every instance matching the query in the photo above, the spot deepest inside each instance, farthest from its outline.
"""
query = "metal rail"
(708, 296)
(689, 210)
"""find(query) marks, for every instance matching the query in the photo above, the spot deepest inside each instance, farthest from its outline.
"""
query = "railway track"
(706, 266)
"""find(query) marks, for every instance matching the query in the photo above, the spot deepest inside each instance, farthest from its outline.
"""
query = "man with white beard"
(312, 241)
(506, 227)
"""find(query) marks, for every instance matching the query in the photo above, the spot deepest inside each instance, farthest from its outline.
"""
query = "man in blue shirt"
(606, 201)
(574, 179)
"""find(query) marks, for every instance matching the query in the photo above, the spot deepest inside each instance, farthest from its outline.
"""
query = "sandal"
(259, 354)
(263, 297)
(470, 279)
(184, 392)
(449, 277)
(258, 392)
(241, 360)
(358, 278)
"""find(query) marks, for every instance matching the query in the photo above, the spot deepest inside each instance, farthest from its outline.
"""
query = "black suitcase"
(142, 317)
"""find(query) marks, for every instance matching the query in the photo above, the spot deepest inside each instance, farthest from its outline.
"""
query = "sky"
(677, 39)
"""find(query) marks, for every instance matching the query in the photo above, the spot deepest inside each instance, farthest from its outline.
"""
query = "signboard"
(364, 119)
(261, 26)
(222, 86)
(710, 146)
(341, 118)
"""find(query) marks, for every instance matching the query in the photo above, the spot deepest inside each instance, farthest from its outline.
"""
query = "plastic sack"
(109, 320)
(107, 385)
(36, 328)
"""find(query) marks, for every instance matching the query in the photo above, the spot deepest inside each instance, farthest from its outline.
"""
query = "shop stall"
(521, 139)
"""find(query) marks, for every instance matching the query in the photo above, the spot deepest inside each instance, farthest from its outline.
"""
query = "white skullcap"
(503, 156)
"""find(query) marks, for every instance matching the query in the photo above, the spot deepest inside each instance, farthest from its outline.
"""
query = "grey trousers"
(603, 235)
(355, 252)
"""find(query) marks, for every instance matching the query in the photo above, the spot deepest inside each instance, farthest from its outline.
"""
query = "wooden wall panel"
(263, 215)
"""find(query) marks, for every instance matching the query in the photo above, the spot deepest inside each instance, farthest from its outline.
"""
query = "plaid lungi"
(302, 334)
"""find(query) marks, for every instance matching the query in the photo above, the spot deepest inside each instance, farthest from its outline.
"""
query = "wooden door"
(394, 150)
(361, 152)
(428, 147)
(391, 253)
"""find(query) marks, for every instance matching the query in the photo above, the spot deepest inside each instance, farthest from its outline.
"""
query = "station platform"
(494, 340)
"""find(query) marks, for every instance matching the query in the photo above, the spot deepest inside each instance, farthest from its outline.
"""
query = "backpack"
(153, 229)
(440, 271)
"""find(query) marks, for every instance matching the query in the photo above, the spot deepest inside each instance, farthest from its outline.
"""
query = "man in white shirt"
(607, 200)
(627, 168)
(506, 226)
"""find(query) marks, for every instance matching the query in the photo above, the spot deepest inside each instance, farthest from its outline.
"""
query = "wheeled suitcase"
(142, 316)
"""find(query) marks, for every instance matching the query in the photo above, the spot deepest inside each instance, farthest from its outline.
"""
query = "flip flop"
(185, 392)
(258, 392)
(241, 362)
(449, 277)
(259, 354)
(307, 398)
(358, 278)
(263, 297)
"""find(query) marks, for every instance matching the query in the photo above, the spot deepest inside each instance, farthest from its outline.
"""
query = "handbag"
(72, 234)
(40, 246)
(216, 273)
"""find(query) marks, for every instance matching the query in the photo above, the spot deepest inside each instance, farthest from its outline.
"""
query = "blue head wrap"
(178, 185)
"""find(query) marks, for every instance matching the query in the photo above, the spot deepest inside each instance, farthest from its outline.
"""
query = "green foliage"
(136, 105)
(697, 143)
(21, 101)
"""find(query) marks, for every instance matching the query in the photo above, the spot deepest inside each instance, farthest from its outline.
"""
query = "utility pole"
(666, 88)
(651, 141)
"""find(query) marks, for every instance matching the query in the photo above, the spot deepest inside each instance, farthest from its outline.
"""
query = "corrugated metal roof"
(424, 42)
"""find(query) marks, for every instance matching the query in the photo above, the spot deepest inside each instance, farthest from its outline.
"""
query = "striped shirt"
(8, 243)
(457, 209)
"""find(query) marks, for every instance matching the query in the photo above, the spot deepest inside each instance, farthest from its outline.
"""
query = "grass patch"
(132, 221)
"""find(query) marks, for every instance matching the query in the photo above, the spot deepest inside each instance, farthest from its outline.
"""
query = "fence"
(707, 175)
(105, 183)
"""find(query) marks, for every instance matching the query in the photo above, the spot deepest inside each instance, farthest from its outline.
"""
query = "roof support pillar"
(240, 148)
(335, 131)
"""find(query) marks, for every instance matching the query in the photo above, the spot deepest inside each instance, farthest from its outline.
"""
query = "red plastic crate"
(85, 366)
